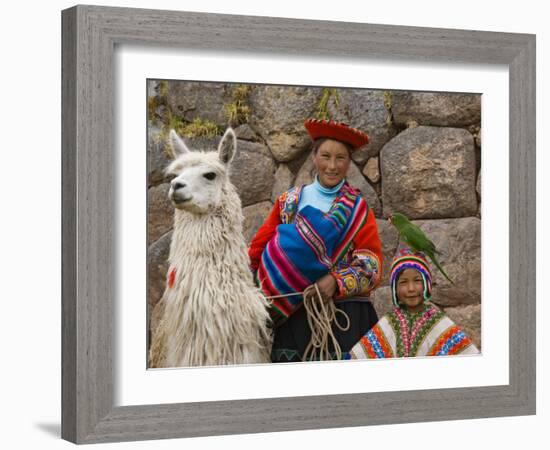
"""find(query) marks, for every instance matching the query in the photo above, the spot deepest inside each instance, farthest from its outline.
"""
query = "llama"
(214, 314)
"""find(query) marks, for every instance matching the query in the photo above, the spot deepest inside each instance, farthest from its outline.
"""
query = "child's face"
(410, 288)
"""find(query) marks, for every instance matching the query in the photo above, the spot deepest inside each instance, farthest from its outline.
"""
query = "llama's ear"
(228, 146)
(178, 147)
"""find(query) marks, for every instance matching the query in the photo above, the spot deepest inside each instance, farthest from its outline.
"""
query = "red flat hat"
(338, 131)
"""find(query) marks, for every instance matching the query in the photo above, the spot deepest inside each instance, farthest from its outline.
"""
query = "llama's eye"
(210, 175)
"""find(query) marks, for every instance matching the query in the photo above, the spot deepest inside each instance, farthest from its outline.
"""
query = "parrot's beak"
(389, 219)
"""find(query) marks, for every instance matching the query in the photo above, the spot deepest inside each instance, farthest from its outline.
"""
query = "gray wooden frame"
(89, 37)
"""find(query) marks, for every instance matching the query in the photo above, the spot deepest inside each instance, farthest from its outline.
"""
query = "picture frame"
(89, 37)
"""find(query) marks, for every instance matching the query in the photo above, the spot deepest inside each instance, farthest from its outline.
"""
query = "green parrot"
(415, 238)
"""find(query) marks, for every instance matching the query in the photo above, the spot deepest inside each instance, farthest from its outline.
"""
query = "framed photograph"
(422, 158)
(130, 76)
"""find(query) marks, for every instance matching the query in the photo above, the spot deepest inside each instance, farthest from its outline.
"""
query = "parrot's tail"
(436, 262)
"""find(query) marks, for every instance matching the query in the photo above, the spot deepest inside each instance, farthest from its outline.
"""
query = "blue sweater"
(318, 196)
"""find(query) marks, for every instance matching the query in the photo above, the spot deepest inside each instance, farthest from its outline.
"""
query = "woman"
(320, 239)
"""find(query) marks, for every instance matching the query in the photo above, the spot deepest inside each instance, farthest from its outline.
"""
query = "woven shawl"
(303, 251)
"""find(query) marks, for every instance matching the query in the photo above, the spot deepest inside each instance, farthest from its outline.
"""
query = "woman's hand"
(327, 287)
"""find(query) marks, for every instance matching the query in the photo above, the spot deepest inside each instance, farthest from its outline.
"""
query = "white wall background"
(30, 174)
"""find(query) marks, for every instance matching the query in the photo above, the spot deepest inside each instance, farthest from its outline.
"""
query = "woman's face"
(410, 290)
(332, 161)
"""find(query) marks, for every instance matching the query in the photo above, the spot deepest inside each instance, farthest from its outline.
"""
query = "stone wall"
(423, 160)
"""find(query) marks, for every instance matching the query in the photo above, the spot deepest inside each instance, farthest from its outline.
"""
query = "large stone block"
(468, 317)
(160, 212)
(191, 100)
(157, 156)
(429, 172)
(364, 109)
(283, 181)
(390, 241)
(372, 169)
(278, 114)
(306, 174)
(245, 133)
(436, 108)
(254, 217)
(459, 244)
(357, 180)
(253, 172)
(157, 267)
(152, 88)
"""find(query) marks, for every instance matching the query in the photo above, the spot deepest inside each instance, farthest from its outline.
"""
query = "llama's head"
(198, 178)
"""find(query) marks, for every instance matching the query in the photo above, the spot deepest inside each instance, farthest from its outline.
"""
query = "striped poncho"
(403, 334)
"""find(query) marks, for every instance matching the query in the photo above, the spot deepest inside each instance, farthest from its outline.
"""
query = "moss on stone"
(199, 128)
(322, 107)
(153, 103)
(174, 122)
(238, 111)
(388, 98)
(163, 89)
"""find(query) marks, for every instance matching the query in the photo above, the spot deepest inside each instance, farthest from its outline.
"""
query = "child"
(413, 328)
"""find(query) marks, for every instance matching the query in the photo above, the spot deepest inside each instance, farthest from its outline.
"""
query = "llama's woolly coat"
(214, 314)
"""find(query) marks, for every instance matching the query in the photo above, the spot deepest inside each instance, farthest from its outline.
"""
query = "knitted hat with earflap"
(408, 259)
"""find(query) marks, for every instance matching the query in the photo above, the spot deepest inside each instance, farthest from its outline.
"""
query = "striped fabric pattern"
(306, 249)
(407, 259)
(403, 334)
(451, 342)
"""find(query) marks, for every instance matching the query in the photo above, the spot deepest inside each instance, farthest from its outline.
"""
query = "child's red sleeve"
(263, 235)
